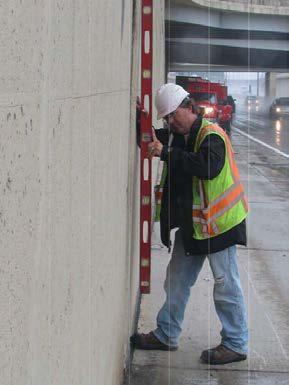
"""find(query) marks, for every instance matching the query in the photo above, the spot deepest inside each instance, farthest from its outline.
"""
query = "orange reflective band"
(205, 231)
(212, 228)
(233, 164)
(211, 128)
(198, 216)
(209, 229)
(223, 204)
(222, 196)
(245, 203)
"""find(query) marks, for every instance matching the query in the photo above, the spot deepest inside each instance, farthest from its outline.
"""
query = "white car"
(279, 107)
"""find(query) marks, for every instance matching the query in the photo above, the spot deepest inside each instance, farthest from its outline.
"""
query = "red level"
(146, 137)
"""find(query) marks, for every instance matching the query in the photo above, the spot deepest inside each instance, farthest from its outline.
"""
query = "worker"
(204, 199)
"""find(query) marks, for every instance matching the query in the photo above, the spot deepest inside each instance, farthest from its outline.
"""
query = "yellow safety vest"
(218, 204)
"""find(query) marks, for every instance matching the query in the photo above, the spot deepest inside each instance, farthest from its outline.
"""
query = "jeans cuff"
(161, 336)
(236, 350)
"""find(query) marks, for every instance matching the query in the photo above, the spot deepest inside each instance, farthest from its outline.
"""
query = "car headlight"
(209, 110)
(278, 109)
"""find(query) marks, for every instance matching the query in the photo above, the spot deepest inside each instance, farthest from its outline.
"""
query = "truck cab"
(210, 98)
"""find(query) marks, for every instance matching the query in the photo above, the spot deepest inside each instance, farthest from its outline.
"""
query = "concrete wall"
(282, 84)
(69, 75)
(270, 86)
(277, 85)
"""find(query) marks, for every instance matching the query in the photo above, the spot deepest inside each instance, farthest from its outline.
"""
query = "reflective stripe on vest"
(218, 207)
(158, 194)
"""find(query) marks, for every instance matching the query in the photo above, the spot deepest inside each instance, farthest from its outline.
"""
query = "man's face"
(180, 120)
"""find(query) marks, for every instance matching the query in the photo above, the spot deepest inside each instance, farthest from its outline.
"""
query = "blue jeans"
(182, 273)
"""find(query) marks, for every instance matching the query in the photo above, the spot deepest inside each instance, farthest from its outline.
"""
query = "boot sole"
(164, 348)
(238, 359)
(137, 345)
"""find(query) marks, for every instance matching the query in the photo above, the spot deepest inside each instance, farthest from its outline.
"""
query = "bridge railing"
(272, 3)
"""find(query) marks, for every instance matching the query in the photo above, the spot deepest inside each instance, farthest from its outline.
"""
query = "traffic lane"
(271, 152)
(274, 132)
(266, 260)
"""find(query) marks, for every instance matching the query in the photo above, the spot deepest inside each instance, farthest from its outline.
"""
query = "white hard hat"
(168, 98)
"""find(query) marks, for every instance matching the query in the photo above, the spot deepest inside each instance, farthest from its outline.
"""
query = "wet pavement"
(264, 269)
(272, 131)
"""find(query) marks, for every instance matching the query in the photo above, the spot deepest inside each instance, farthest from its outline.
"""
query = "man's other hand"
(154, 148)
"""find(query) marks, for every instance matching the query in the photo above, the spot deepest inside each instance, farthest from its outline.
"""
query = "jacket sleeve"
(207, 163)
(162, 135)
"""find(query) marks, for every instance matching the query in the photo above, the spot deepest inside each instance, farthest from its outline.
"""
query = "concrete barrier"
(69, 75)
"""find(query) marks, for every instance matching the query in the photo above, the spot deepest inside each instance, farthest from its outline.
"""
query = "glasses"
(169, 116)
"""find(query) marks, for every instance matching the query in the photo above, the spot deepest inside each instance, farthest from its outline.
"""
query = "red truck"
(211, 99)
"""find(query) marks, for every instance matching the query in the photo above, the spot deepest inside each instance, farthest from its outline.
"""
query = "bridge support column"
(270, 85)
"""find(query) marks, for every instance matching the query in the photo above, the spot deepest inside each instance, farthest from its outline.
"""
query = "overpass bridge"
(227, 35)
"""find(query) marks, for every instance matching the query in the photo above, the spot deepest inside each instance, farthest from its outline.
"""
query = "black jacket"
(207, 163)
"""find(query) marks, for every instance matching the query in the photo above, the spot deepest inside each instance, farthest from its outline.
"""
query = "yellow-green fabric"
(159, 192)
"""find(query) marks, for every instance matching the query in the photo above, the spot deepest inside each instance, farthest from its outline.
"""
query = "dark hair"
(189, 102)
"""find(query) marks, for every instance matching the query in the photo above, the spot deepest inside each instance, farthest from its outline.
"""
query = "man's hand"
(154, 148)
(138, 107)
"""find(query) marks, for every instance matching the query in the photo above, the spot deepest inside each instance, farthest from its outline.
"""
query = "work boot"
(221, 355)
(149, 342)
